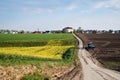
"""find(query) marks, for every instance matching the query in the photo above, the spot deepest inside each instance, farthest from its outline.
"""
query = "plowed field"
(107, 48)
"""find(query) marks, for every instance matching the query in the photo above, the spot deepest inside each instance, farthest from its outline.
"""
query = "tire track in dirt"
(74, 74)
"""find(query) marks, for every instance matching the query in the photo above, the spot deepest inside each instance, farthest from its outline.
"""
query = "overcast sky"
(57, 14)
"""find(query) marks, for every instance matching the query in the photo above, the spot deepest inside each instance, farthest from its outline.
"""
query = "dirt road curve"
(90, 69)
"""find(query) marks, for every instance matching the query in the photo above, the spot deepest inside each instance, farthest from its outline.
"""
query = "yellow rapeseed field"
(41, 51)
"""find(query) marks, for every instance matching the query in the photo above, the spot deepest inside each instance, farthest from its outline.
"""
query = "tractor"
(91, 45)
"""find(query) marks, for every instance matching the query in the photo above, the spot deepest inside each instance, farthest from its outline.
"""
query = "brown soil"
(56, 72)
(107, 48)
(17, 72)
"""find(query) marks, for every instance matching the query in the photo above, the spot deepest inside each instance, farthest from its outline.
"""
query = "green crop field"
(44, 51)
(21, 48)
(34, 37)
(28, 40)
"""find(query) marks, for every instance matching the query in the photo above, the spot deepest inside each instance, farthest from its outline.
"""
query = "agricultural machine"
(91, 45)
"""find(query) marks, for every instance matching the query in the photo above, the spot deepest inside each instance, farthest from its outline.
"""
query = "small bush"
(68, 54)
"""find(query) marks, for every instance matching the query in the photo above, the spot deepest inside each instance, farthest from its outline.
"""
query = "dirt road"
(90, 69)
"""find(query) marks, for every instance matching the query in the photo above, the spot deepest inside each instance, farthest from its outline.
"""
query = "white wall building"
(68, 29)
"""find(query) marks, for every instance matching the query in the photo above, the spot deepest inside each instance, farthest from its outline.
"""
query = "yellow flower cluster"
(54, 52)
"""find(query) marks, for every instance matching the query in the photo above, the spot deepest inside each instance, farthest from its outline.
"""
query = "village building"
(14, 32)
(36, 32)
(68, 29)
(117, 32)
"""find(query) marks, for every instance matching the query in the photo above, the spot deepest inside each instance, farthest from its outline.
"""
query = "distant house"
(117, 32)
(46, 32)
(21, 32)
(101, 31)
(37, 32)
(68, 29)
(14, 32)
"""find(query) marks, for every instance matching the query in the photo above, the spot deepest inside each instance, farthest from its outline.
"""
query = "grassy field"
(16, 49)
(43, 51)
(34, 37)
(28, 40)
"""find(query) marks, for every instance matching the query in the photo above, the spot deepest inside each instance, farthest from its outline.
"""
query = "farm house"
(68, 29)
